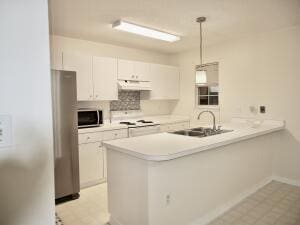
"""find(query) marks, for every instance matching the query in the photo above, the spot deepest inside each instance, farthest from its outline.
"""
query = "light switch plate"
(5, 131)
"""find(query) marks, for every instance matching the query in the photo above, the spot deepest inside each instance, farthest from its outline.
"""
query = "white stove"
(137, 126)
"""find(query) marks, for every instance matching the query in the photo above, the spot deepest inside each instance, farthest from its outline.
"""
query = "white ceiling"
(226, 19)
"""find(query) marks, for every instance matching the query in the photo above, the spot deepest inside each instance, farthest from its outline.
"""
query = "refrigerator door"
(65, 133)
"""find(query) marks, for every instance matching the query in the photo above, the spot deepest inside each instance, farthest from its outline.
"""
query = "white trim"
(287, 180)
(209, 217)
(214, 107)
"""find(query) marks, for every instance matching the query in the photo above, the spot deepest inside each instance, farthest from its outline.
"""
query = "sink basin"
(201, 132)
(191, 133)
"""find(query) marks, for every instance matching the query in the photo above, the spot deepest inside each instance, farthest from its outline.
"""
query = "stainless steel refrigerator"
(64, 100)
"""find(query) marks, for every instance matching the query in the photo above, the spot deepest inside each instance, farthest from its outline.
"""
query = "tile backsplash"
(128, 100)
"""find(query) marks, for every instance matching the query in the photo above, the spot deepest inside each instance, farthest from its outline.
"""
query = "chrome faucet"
(213, 115)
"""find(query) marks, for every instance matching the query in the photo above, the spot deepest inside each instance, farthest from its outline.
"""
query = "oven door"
(146, 130)
(89, 118)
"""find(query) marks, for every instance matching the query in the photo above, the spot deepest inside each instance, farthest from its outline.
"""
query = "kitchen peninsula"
(154, 178)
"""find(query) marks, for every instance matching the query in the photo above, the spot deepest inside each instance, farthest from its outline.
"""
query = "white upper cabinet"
(141, 71)
(105, 78)
(125, 69)
(83, 67)
(133, 70)
(164, 82)
(96, 76)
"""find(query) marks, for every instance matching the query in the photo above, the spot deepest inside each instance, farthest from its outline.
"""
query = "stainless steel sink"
(201, 132)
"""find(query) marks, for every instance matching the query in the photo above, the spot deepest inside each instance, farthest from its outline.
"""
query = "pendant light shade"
(201, 77)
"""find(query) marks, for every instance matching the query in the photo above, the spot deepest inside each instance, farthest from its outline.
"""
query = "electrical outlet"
(168, 199)
(5, 131)
(262, 109)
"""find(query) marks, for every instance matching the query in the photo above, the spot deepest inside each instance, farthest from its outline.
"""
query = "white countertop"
(105, 127)
(167, 146)
(164, 119)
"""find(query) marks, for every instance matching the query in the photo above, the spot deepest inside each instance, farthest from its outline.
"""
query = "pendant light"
(201, 77)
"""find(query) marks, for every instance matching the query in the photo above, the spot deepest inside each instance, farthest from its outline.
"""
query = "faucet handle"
(219, 127)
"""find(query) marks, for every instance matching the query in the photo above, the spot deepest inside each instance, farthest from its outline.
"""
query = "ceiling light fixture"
(144, 31)
(201, 76)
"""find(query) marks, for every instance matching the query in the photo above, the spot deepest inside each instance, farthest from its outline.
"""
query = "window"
(208, 95)
(207, 85)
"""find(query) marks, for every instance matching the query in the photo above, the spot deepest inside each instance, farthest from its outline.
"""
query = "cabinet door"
(83, 67)
(105, 162)
(125, 70)
(91, 164)
(105, 78)
(141, 71)
(157, 82)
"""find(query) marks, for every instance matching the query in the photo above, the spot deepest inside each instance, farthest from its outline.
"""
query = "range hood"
(134, 85)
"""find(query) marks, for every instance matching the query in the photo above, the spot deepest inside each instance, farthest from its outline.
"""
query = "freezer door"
(65, 133)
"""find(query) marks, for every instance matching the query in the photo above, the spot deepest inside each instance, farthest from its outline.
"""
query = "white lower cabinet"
(92, 155)
(170, 127)
(91, 164)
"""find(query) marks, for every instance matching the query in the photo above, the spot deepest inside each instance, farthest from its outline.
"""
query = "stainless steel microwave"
(90, 118)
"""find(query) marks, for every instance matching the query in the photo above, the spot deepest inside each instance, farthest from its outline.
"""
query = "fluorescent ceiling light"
(144, 31)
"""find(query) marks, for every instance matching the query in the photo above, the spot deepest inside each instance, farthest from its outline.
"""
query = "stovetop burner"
(127, 123)
(144, 121)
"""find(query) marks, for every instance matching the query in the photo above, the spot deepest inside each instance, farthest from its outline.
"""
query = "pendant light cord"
(200, 20)
(200, 43)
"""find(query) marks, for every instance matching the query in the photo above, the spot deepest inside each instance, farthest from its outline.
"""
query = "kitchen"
(200, 129)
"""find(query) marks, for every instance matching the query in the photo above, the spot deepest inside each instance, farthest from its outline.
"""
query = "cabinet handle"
(91, 96)
(136, 77)
(88, 138)
(132, 76)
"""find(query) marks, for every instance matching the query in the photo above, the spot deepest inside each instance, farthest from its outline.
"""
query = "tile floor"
(89, 209)
(274, 204)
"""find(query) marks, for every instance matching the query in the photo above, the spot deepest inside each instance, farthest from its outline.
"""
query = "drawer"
(90, 137)
(114, 134)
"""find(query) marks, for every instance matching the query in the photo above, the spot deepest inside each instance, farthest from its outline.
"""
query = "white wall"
(75, 46)
(26, 168)
(259, 70)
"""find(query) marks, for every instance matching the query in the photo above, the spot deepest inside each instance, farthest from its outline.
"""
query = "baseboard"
(224, 208)
(92, 183)
(287, 180)
(113, 221)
